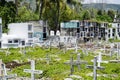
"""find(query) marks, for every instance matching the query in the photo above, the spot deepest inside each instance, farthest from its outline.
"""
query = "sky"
(106, 1)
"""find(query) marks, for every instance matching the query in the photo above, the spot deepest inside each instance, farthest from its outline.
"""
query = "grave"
(32, 70)
(95, 67)
(22, 50)
(47, 58)
(99, 59)
(7, 52)
(3, 72)
(77, 62)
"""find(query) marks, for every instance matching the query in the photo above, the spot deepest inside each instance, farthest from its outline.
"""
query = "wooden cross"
(95, 67)
(72, 63)
(47, 58)
(32, 70)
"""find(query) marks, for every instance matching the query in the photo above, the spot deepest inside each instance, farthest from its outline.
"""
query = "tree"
(111, 13)
(86, 15)
(8, 13)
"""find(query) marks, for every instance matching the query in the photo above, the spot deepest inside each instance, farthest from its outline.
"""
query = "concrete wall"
(21, 30)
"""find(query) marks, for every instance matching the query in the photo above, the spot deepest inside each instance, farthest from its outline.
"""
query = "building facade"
(114, 29)
(85, 30)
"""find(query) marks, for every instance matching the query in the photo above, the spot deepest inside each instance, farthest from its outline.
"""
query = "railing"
(10, 45)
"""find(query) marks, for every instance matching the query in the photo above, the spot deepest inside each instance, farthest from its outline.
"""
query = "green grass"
(57, 70)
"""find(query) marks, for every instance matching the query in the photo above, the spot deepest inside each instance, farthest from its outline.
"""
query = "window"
(29, 27)
(113, 34)
(118, 25)
(30, 35)
(44, 29)
(15, 41)
(9, 41)
(109, 30)
(109, 35)
(113, 30)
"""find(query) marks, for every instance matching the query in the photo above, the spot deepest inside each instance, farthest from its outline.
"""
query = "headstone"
(32, 70)
(58, 33)
(52, 33)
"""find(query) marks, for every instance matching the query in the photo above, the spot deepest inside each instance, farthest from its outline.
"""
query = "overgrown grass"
(57, 70)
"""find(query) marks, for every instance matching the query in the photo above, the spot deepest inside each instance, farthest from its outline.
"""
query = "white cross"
(99, 60)
(32, 70)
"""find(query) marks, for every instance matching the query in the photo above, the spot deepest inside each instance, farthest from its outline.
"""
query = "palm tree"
(75, 4)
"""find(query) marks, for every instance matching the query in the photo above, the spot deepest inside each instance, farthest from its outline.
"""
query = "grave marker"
(7, 51)
(47, 58)
(32, 70)
(95, 67)
(4, 75)
(77, 62)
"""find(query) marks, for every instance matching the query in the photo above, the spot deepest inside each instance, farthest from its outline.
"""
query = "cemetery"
(38, 63)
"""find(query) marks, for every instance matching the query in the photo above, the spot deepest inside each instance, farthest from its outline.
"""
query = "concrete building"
(85, 30)
(40, 29)
(114, 29)
(19, 34)
(23, 30)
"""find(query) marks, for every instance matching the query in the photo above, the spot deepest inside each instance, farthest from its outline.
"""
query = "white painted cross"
(99, 60)
(95, 67)
(32, 70)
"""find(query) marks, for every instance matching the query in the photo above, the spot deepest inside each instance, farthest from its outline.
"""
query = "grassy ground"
(56, 69)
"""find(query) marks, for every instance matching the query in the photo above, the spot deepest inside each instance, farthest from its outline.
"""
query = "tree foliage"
(53, 11)
(7, 12)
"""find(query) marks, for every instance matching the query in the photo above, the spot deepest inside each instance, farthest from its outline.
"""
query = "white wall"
(21, 30)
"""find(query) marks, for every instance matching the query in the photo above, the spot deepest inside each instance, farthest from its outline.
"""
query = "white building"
(23, 30)
(0, 30)
(19, 34)
(11, 41)
(114, 31)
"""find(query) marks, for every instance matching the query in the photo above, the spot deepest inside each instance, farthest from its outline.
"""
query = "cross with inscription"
(32, 70)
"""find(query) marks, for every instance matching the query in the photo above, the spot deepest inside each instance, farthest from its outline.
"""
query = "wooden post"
(95, 69)
(71, 66)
